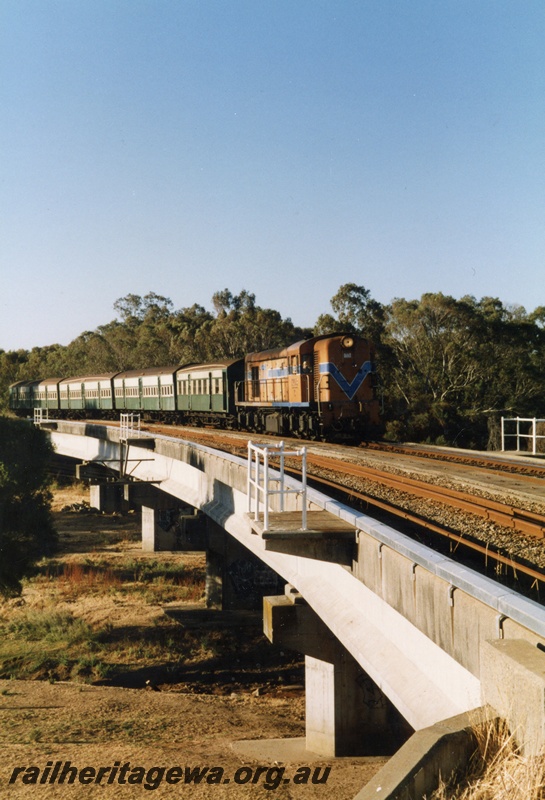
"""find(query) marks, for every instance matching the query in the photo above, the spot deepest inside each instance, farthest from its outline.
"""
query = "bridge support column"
(167, 527)
(346, 712)
(235, 578)
(107, 497)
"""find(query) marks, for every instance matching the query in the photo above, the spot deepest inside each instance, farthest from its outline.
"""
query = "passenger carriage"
(150, 391)
(98, 394)
(46, 395)
(205, 393)
(21, 397)
(71, 397)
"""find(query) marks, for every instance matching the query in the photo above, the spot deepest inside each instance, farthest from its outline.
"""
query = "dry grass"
(498, 771)
(104, 611)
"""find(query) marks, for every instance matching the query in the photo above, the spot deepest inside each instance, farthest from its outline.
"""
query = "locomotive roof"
(279, 351)
(275, 352)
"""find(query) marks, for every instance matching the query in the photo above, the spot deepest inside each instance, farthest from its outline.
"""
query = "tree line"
(447, 369)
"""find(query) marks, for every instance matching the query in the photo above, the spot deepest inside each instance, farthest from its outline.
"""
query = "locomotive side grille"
(316, 374)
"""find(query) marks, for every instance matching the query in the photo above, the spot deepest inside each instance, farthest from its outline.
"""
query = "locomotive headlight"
(347, 342)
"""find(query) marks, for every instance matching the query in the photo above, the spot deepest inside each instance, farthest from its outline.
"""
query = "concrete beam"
(513, 682)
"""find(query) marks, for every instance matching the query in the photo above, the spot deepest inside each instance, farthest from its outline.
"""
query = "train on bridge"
(319, 388)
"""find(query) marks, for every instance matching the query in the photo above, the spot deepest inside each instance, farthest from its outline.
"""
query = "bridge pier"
(107, 497)
(235, 577)
(346, 713)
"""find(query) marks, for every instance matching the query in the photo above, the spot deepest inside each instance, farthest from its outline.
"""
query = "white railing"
(129, 426)
(529, 426)
(39, 415)
(264, 485)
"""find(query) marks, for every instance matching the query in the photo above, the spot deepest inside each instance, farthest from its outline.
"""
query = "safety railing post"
(304, 482)
(266, 485)
(519, 434)
(260, 479)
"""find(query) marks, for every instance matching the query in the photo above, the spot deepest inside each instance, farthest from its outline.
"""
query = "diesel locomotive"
(319, 388)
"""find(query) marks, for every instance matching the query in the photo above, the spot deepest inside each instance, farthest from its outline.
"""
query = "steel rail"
(466, 459)
(460, 540)
(508, 516)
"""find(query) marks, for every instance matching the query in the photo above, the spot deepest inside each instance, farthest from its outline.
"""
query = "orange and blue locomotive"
(320, 388)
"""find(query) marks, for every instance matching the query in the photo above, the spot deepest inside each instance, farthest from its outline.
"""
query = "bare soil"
(109, 657)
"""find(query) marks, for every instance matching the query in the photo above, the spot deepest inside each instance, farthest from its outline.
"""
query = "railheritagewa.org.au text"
(118, 773)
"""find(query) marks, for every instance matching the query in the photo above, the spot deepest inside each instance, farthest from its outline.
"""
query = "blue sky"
(284, 147)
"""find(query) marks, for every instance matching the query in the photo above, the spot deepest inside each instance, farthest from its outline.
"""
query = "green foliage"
(456, 366)
(26, 530)
(356, 311)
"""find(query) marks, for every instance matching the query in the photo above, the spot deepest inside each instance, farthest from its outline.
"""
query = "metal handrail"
(533, 435)
(129, 426)
(260, 479)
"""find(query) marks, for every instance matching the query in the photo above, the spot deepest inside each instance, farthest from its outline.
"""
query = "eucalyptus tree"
(242, 327)
(355, 311)
(434, 343)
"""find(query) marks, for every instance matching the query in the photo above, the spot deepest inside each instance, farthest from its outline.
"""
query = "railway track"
(502, 564)
(465, 458)
(510, 538)
(518, 519)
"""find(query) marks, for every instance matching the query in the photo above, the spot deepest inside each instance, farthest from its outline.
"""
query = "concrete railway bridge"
(400, 643)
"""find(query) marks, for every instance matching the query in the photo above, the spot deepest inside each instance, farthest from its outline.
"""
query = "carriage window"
(294, 365)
